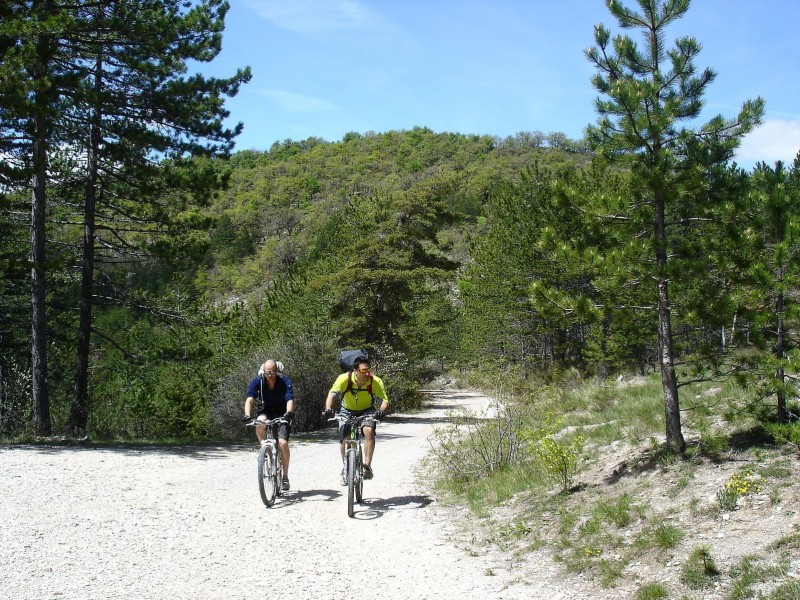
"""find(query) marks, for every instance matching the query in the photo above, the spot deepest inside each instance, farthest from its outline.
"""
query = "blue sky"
(323, 68)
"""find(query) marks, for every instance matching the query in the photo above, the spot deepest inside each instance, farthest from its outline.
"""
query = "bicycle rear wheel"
(351, 480)
(266, 476)
(359, 476)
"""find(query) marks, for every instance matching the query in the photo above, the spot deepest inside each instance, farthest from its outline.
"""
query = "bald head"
(270, 368)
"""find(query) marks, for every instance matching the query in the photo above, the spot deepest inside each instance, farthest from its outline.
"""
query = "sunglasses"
(270, 373)
(363, 370)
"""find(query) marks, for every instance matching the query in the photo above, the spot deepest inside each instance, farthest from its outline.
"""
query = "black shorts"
(344, 428)
(284, 429)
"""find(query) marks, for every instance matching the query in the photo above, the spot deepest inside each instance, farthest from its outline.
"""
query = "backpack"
(348, 359)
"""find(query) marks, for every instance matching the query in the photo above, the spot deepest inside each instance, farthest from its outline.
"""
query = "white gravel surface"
(188, 523)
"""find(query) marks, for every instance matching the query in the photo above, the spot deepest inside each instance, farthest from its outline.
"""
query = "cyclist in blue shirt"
(275, 395)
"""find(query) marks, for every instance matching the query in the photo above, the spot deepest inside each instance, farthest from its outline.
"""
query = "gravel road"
(173, 524)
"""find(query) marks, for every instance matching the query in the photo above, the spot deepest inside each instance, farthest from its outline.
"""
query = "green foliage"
(740, 484)
(616, 510)
(660, 216)
(651, 591)
(751, 571)
(700, 570)
(786, 591)
(785, 433)
(560, 459)
(666, 536)
(473, 447)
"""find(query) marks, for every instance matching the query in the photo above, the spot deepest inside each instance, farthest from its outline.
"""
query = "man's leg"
(261, 432)
(283, 446)
(369, 445)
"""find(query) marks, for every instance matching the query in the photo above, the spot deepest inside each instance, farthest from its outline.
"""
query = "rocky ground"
(188, 523)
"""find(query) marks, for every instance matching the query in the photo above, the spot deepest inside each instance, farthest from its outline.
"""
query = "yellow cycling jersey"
(358, 398)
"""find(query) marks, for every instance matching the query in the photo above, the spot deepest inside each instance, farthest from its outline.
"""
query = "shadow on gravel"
(200, 452)
(290, 498)
(450, 396)
(416, 420)
(381, 505)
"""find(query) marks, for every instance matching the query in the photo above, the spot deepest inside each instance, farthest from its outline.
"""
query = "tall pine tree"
(646, 93)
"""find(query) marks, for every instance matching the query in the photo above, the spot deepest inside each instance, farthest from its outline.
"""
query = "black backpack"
(348, 360)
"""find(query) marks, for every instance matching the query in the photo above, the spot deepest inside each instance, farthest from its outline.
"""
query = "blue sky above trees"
(327, 67)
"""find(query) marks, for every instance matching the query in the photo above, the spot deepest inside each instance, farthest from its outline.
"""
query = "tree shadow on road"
(377, 507)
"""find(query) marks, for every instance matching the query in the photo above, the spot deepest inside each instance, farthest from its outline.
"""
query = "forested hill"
(278, 201)
(304, 249)
(435, 251)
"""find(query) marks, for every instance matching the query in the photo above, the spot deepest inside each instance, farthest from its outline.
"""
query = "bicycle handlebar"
(258, 422)
(353, 420)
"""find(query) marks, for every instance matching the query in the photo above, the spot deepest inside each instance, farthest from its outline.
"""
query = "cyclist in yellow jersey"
(358, 397)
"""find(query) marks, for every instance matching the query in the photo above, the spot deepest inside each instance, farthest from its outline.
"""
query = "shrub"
(700, 570)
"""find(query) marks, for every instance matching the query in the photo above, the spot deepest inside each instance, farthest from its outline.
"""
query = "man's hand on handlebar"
(247, 419)
(379, 414)
(328, 413)
(288, 416)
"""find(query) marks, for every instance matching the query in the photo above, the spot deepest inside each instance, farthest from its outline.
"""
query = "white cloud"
(298, 102)
(316, 16)
(772, 141)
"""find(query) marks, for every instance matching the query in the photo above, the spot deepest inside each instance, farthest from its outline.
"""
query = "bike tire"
(351, 480)
(359, 476)
(278, 472)
(266, 477)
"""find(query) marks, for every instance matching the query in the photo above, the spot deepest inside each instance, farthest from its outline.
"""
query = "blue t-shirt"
(272, 402)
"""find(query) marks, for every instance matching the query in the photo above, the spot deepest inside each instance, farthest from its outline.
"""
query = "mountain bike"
(354, 458)
(270, 467)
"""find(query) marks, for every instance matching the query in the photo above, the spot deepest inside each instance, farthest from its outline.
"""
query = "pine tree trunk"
(40, 393)
(780, 348)
(669, 381)
(40, 125)
(79, 413)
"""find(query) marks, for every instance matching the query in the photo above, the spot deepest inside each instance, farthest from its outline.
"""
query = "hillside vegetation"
(577, 472)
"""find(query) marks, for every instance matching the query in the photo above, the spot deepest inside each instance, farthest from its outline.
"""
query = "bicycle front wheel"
(359, 476)
(351, 480)
(266, 475)
(278, 472)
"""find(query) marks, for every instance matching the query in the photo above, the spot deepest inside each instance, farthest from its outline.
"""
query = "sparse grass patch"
(513, 532)
(775, 470)
(613, 411)
(790, 541)
(652, 591)
(786, 591)
(699, 571)
(666, 536)
(748, 573)
(712, 443)
(616, 510)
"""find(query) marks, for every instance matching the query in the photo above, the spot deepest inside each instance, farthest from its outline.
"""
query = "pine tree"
(646, 93)
(771, 308)
(135, 103)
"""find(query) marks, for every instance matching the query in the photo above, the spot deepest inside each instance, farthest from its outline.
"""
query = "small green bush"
(651, 591)
(740, 484)
(559, 459)
(666, 536)
(700, 570)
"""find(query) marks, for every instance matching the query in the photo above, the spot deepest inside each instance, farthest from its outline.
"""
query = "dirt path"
(189, 524)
